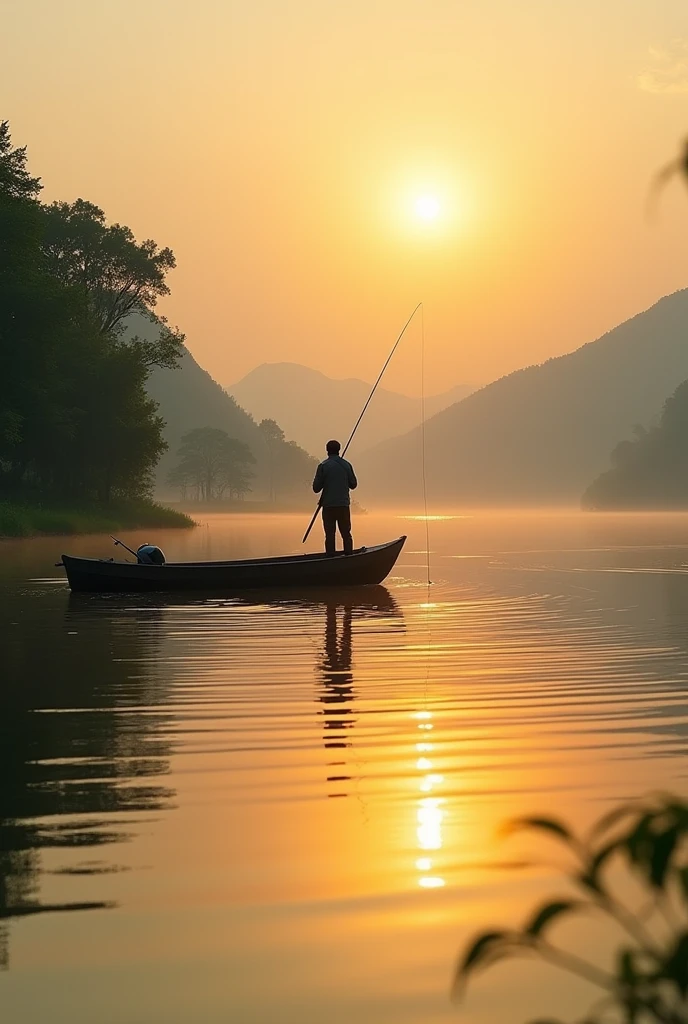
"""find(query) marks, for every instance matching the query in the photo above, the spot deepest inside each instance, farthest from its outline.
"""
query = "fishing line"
(425, 505)
(428, 581)
(430, 802)
(422, 444)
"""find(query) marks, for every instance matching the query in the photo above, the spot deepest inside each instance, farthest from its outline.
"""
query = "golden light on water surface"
(429, 812)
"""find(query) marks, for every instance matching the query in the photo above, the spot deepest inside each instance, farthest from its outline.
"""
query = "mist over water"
(288, 809)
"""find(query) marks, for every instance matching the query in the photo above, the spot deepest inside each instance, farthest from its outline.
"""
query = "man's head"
(333, 447)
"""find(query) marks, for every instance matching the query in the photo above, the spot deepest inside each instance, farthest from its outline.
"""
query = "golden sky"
(279, 147)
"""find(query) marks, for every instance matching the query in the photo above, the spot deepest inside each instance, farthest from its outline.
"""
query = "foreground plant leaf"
(649, 983)
(549, 913)
(542, 824)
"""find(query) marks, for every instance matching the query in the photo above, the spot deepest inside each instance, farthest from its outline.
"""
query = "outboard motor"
(149, 554)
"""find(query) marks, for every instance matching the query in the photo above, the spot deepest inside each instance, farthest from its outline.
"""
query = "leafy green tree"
(74, 414)
(116, 275)
(119, 275)
(37, 317)
(180, 477)
(15, 180)
(236, 474)
(648, 980)
(273, 435)
(293, 470)
(119, 437)
(650, 471)
(212, 463)
(239, 485)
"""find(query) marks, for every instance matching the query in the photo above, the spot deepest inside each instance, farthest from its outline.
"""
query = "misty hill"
(541, 434)
(189, 397)
(650, 471)
(311, 407)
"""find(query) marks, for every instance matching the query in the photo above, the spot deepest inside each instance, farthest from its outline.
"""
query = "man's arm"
(353, 482)
(318, 479)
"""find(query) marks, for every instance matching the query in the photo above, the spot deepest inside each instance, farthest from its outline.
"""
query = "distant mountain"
(189, 397)
(541, 434)
(312, 408)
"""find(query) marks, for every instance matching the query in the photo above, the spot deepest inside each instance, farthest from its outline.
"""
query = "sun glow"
(427, 207)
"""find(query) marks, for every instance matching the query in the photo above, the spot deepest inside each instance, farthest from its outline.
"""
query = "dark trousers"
(337, 516)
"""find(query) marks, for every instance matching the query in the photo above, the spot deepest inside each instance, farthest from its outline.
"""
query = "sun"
(427, 207)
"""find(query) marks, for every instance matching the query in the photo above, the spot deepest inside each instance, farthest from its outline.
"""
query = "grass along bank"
(30, 519)
(248, 506)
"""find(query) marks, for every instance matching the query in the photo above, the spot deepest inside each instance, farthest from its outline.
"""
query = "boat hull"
(365, 567)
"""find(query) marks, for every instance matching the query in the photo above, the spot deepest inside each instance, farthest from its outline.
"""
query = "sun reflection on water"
(429, 812)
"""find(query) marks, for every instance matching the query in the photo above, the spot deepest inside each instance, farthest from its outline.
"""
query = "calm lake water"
(225, 811)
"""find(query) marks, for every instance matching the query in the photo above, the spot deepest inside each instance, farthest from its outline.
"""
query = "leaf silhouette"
(683, 881)
(664, 846)
(482, 949)
(677, 167)
(590, 878)
(541, 824)
(589, 881)
(676, 966)
(639, 844)
(627, 971)
(649, 982)
(613, 817)
(548, 913)
(551, 1020)
(487, 949)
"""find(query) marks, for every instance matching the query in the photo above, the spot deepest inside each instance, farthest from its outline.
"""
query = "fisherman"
(335, 477)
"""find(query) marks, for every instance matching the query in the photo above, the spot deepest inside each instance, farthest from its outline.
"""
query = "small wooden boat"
(365, 567)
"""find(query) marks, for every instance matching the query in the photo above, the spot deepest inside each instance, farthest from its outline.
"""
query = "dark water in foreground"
(215, 811)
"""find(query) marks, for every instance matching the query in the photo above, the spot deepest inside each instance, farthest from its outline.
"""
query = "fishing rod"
(125, 546)
(356, 425)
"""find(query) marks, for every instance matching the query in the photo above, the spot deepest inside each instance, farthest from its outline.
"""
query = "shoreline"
(19, 519)
(250, 508)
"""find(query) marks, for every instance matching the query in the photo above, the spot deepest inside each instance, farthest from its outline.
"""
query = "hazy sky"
(279, 147)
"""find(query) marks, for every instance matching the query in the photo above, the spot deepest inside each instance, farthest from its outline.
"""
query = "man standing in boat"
(335, 477)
